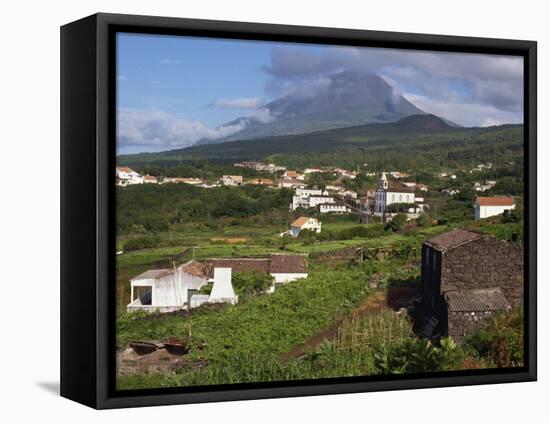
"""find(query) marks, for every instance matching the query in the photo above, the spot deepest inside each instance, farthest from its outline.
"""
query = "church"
(389, 192)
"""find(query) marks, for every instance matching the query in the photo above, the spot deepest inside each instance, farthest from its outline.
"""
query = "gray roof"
(152, 274)
(476, 300)
(452, 239)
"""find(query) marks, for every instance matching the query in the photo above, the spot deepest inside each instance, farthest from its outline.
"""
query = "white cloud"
(262, 115)
(239, 103)
(463, 113)
(170, 61)
(157, 128)
(483, 79)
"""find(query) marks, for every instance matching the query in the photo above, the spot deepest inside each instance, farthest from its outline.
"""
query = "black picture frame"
(87, 208)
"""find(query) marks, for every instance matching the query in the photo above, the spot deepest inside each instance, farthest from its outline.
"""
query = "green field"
(162, 225)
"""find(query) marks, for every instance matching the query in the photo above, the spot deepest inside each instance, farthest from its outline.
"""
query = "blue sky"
(173, 90)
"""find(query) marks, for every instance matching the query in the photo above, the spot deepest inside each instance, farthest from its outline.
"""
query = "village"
(424, 258)
(396, 193)
(445, 300)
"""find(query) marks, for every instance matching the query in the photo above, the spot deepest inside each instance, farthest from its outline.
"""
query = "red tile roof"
(288, 263)
(495, 201)
(301, 221)
(237, 265)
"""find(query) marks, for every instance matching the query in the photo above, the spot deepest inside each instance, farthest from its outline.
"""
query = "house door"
(190, 293)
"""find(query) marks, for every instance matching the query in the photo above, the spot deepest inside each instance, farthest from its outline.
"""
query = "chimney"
(222, 289)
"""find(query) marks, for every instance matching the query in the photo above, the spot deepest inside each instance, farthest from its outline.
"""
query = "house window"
(427, 256)
(144, 294)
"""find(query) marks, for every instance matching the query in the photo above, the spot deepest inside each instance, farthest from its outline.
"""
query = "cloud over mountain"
(447, 79)
(160, 129)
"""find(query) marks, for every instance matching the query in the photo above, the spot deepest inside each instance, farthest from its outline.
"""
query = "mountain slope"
(419, 132)
(344, 99)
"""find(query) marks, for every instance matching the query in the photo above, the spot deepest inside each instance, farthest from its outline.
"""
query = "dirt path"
(372, 304)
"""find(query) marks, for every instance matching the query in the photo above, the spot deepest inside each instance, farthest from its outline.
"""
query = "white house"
(492, 206)
(232, 180)
(398, 175)
(301, 199)
(291, 183)
(188, 181)
(337, 207)
(348, 174)
(126, 176)
(316, 200)
(391, 193)
(450, 191)
(166, 290)
(293, 175)
(303, 223)
(148, 179)
(342, 192)
(313, 170)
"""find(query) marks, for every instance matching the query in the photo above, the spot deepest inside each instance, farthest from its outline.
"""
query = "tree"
(400, 207)
(251, 283)
(397, 223)
(424, 220)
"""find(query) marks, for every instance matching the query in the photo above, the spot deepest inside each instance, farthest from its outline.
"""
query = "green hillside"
(417, 141)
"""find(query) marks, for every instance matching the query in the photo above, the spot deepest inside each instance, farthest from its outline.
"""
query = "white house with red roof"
(126, 176)
(304, 222)
(149, 179)
(168, 290)
(492, 206)
(232, 180)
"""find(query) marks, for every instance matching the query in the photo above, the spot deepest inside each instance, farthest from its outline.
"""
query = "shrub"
(206, 289)
(501, 342)
(251, 283)
(397, 223)
(424, 220)
(417, 356)
(141, 242)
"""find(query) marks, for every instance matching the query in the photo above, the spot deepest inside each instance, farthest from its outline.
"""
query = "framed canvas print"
(255, 211)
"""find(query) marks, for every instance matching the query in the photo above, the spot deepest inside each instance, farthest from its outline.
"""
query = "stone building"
(467, 277)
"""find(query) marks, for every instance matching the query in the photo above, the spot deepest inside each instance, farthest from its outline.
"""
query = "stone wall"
(460, 324)
(484, 263)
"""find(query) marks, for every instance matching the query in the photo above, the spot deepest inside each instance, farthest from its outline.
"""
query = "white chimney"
(222, 289)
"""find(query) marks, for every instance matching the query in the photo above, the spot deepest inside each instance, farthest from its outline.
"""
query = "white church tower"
(383, 182)
(381, 192)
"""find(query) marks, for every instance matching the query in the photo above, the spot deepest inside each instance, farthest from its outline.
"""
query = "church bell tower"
(383, 182)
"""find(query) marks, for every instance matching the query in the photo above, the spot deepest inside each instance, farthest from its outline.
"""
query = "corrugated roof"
(288, 263)
(477, 300)
(152, 274)
(452, 239)
(192, 267)
(495, 201)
